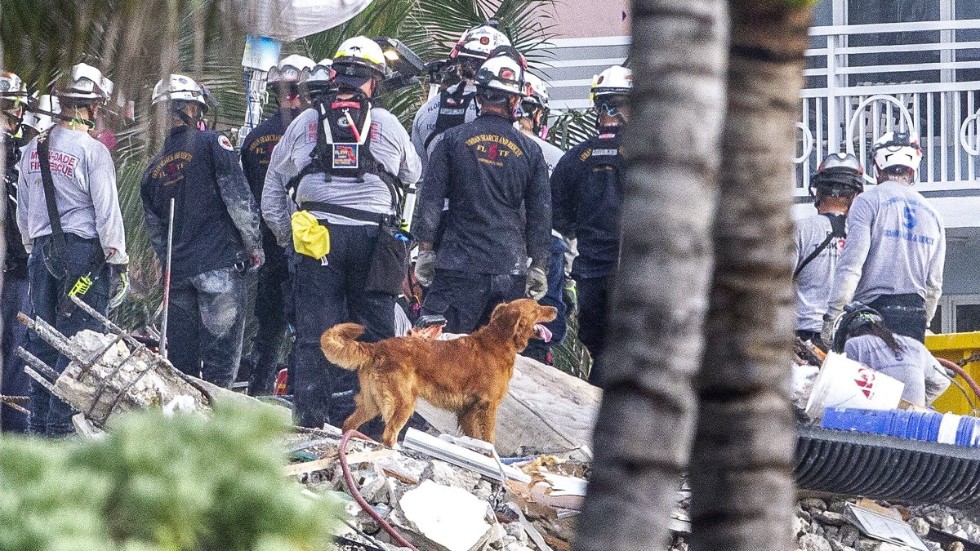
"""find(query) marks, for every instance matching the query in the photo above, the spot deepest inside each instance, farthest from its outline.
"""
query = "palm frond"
(572, 128)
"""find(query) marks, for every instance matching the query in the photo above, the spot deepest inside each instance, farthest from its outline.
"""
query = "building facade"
(873, 66)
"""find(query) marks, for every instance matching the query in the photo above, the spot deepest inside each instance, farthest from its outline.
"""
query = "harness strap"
(47, 181)
(837, 229)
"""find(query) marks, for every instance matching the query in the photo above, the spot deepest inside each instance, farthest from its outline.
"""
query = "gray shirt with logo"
(896, 244)
(913, 365)
(814, 281)
(390, 146)
(84, 179)
(425, 122)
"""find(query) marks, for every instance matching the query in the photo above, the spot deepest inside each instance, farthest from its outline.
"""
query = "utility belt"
(390, 259)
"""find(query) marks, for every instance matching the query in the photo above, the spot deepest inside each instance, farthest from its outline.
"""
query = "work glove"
(425, 267)
(537, 283)
(827, 331)
(570, 296)
(256, 258)
(120, 282)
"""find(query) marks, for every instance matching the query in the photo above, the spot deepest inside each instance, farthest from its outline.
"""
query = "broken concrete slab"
(450, 519)
(545, 411)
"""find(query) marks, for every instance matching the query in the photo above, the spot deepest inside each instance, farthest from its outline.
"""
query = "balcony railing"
(925, 76)
(846, 106)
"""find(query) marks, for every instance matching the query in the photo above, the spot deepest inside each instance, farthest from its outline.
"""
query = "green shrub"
(160, 483)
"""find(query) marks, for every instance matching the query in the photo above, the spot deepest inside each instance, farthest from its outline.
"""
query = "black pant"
(15, 382)
(270, 313)
(592, 296)
(468, 299)
(903, 314)
(325, 296)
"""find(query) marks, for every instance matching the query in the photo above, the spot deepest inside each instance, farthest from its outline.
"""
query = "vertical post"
(166, 281)
(833, 129)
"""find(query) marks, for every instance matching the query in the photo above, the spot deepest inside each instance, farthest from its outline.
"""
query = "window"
(869, 12)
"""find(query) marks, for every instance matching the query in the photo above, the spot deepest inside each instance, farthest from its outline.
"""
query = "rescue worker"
(215, 234)
(454, 105)
(587, 197)
(896, 246)
(863, 337)
(68, 215)
(341, 163)
(496, 182)
(273, 279)
(318, 82)
(15, 297)
(533, 122)
(820, 239)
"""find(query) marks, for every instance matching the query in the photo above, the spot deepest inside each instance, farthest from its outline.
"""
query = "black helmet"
(839, 175)
(856, 315)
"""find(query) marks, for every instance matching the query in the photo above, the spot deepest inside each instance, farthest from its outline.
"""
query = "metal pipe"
(166, 280)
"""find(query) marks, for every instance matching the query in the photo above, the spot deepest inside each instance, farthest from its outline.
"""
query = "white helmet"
(358, 60)
(503, 74)
(40, 118)
(895, 151)
(614, 81)
(13, 94)
(292, 69)
(319, 79)
(180, 88)
(85, 84)
(478, 42)
(536, 91)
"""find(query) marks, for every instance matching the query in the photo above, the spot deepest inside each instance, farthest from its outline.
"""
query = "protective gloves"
(425, 267)
(537, 283)
(121, 283)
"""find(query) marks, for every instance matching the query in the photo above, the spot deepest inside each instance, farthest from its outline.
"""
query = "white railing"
(846, 108)
(944, 110)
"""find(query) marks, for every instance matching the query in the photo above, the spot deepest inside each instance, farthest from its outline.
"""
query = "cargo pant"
(467, 299)
(270, 312)
(206, 325)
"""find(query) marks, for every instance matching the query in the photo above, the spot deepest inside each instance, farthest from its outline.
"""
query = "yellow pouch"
(310, 237)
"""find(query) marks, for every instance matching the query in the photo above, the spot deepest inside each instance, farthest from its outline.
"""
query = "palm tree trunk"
(646, 421)
(741, 470)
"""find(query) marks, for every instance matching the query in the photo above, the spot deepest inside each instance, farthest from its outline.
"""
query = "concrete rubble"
(446, 493)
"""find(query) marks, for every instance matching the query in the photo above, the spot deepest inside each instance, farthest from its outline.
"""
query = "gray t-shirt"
(390, 146)
(911, 365)
(424, 123)
(552, 154)
(813, 284)
(896, 245)
(84, 179)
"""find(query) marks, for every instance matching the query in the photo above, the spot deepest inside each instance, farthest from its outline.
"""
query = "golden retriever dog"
(468, 376)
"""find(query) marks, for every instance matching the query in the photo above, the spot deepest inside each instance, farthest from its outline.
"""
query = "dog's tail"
(340, 346)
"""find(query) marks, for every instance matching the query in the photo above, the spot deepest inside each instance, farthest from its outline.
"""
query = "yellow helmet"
(358, 60)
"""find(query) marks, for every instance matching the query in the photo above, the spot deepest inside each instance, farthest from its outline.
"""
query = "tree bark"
(646, 420)
(741, 470)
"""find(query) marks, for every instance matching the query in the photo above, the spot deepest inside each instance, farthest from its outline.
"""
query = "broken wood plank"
(310, 466)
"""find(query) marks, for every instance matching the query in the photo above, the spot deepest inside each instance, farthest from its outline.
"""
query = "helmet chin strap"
(177, 110)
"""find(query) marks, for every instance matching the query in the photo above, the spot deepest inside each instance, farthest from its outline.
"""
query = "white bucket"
(846, 383)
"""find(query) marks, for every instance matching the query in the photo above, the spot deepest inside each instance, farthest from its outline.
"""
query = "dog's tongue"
(543, 332)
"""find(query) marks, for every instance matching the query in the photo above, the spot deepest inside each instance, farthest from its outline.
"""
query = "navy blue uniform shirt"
(587, 195)
(496, 181)
(216, 219)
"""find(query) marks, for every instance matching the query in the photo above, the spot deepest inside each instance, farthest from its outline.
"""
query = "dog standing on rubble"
(468, 376)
